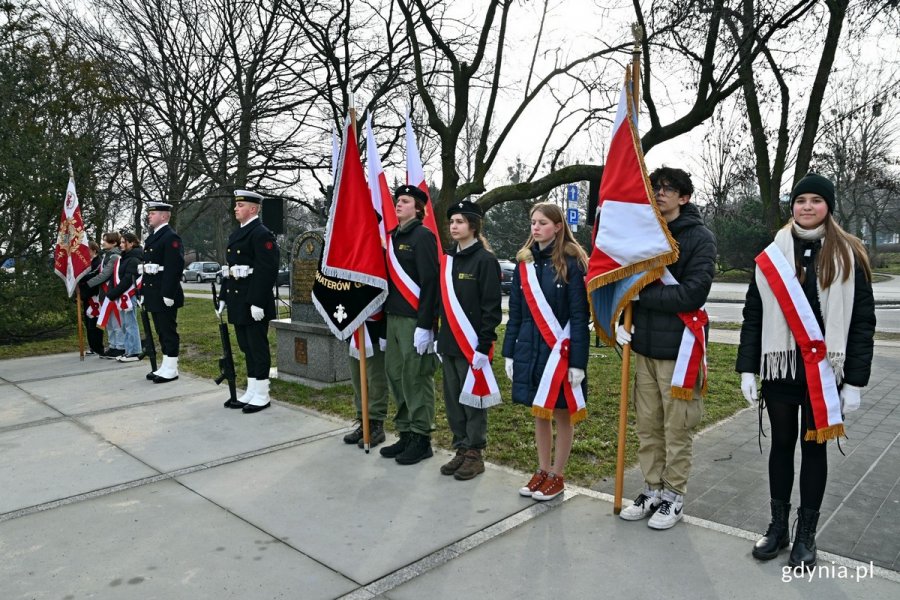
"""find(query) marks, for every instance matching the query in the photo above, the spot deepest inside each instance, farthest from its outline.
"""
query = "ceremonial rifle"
(147, 344)
(226, 363)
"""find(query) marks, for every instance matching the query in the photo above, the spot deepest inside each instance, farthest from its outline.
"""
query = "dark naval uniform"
(252, 246)
(165, 249)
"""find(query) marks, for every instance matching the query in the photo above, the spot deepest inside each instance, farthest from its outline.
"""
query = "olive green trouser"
(410, 377)
(665, 425)
(468, 424)
(377, 385)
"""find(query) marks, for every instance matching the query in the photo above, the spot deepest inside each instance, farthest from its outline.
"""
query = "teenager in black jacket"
(132, 256)
(474, 273)
(832, 270)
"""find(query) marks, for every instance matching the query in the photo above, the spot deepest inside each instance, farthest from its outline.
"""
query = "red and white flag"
(631, 241)
(352, 283)
(415, 175)
(378, 185)
(72, 256)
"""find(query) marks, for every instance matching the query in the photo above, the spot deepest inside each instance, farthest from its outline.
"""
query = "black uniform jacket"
(476, 280)
(252, 245)
(165, 249)
(860, 345)
(416, 251)
(657, 327)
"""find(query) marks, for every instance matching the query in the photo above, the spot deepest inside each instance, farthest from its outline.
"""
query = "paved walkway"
(156, 491)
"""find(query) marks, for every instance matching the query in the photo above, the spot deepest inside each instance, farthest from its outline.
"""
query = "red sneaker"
(552, 487)
(534, 483)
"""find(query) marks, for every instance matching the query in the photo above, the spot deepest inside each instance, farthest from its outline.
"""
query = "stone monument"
(307, 350)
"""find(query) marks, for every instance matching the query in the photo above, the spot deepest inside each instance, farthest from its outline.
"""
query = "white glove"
(382, 344)
(509, 368)
(480, 361)
(168, 302)
(748, 387)
(140, 269)
(257, 313)
(622, 336)
(849, 398)
(221, 308)
(576, 376)
(422, 340)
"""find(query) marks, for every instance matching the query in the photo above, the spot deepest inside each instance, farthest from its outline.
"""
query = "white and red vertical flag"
(632, 244)
(378, 185)
(352, 281)
(72, 256)
(415, 175)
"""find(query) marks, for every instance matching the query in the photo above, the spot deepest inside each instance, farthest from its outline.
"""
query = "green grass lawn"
(511, 427)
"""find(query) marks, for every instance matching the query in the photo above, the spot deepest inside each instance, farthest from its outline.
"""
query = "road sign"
(572, 216)
(572, 193)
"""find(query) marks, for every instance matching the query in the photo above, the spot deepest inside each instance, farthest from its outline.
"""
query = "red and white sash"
(109, 308)
(480, 388)
(820, 380)
(367, 342)
(408, 288)
(691, 361)
(556, 373)
(93, 307)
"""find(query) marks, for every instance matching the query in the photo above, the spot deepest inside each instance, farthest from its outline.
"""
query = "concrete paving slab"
(81, 393)
(157, 541)
(580, 549)
(198, 429)
(57, 460)
(362, 515)
(18, 408)
(56, 365)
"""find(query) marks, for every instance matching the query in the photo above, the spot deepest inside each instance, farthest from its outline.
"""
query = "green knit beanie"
(814, 183)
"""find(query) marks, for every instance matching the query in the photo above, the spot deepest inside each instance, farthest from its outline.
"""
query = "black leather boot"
(376, 434)
(419, 447)
(803, 552)
(397, 447)
(777, 536)
(355, 436)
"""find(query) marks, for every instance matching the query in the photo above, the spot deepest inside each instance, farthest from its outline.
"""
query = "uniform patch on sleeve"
(269, 245)
(175, 243)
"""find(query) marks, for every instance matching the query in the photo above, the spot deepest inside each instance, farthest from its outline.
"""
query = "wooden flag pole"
(361, 341)
(635, 82)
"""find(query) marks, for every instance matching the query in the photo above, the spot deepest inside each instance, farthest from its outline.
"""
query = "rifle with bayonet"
(226, 363)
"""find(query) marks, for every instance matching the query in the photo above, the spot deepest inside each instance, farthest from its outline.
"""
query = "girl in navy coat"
(549, 278)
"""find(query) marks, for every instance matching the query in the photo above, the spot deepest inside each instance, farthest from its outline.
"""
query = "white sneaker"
(643, 506)
(670, 511)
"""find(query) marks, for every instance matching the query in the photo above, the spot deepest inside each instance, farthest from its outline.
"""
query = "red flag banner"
(72, 256)
(632, 244)
(352, 281)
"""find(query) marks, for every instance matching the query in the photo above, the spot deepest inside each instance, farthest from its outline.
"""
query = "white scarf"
(779, 348)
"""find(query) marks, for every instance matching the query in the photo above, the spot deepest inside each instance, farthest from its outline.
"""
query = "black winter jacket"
(657, 328)
(254, 246)
(128, 272)
(416, 250)
(476, 281)
(163, 247)
(524, 343)
(860, 345)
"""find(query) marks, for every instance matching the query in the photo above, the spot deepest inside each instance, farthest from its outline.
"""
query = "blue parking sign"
(572, 216)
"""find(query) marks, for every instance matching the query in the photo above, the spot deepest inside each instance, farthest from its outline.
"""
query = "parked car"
(202, 271)
(507, 267)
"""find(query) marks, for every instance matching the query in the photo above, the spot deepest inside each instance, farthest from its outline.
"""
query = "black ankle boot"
(776, 537)
(376, 434)
(803, 552)
(419, 447)
(399, 446)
